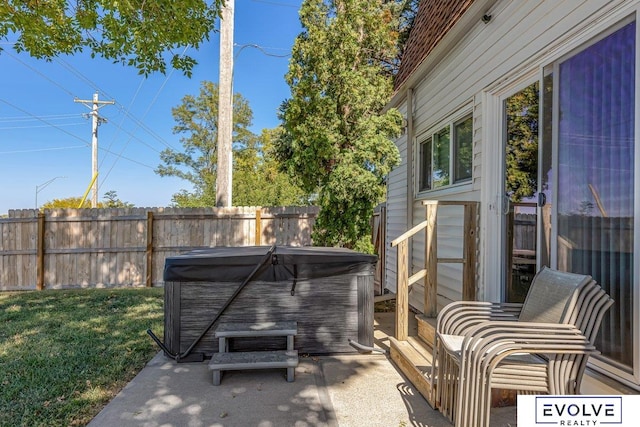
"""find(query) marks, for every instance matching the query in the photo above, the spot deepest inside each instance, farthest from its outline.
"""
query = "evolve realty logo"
(578, 410)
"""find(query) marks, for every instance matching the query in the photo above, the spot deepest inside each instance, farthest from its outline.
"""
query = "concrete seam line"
(323, 394)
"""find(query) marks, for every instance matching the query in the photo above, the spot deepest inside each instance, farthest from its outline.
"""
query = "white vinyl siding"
(519, 34)
(396, 207)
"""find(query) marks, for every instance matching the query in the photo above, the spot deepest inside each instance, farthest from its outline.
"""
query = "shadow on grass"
(65, 354)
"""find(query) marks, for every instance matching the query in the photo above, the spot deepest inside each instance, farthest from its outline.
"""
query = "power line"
(275, 3)
(40, 126)
(261, 49)
(36, 150)
(153, 101)
(43, 119)
(121, 107)
(74, 136)
(70, 68)
(39, 73)
(81, 76)
(78, 74)
(31, 119)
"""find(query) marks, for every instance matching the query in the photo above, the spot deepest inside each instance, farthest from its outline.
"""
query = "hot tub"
(327, 291)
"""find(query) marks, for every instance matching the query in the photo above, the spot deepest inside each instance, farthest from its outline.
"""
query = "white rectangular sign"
(565, 411)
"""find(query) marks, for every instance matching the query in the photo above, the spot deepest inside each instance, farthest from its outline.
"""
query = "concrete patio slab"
(328, 391)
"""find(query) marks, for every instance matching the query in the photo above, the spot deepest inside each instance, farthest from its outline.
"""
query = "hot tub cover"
(233, 264)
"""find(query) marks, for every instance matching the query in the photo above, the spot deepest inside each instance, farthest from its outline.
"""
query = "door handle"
(505, 204)
(542, 199)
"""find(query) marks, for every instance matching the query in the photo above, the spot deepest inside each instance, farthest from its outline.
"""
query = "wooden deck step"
(253, 360)
(426, 328)
(413, 358)
(258, 329)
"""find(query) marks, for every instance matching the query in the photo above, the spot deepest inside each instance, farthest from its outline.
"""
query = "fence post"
(258, 238)
(149, 252)
(40, 253)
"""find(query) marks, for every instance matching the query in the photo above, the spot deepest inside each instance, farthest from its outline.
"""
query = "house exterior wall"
(474, 67)
(477, 57)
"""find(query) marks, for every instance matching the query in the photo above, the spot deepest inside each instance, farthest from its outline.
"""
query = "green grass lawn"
(64, 354)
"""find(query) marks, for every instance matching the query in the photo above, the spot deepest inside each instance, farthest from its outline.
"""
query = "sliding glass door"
(592, 133)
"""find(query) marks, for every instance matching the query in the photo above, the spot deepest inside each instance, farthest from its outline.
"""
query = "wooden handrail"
(409, 233)
(431, 259)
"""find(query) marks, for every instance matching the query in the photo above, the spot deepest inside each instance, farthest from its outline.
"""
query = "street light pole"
(41, 187)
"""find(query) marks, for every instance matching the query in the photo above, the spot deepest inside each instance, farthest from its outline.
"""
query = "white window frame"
(423, 137)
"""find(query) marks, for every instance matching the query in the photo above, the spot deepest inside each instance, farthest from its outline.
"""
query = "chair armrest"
(487, 344)
(488, 334)
(457, 317)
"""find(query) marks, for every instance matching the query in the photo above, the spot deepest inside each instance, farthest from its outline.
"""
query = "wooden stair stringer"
(413, 358)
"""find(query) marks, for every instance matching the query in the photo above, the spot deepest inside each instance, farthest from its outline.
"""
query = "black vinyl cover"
(234, 264)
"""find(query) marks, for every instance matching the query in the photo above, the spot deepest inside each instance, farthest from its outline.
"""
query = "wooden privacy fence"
(66, 248)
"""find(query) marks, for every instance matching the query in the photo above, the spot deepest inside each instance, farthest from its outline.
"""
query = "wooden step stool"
(268, 359)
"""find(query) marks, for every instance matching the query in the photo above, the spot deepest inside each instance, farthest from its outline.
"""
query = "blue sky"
(43, 134)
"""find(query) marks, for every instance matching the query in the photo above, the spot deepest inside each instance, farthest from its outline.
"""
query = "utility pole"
(94, 105)
(224, 177)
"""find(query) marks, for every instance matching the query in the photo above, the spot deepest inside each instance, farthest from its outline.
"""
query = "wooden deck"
(413, 356)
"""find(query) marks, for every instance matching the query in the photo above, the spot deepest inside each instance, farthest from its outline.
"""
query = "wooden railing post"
(469, 248)
(431, 261)
(402, 292)
(403, 281)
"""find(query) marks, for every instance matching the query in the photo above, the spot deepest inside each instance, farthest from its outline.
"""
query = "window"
(442, 162)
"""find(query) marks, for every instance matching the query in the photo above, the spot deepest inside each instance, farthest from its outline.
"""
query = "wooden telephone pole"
(224, 177)
(94, 105)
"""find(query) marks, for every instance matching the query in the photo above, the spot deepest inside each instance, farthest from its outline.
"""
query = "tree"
(407, 15)
(111, 200)
(336, 139)
(256, 178)
(138, 33)
(67, 203)
(197, 120)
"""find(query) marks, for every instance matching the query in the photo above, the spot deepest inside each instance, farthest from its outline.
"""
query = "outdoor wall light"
(486, 18)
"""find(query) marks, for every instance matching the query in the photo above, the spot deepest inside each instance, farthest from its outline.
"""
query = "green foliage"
(139, 33)
(111, 200)
(66, 353)
(197, 120)
(256, 178)
(407, 14)
(66, 203)
(522, 143)
(336, 140)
